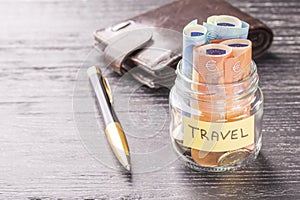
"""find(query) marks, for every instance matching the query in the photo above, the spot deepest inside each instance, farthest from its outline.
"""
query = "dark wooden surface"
(43, 43)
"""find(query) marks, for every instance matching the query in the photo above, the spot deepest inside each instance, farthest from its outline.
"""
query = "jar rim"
(190, 81)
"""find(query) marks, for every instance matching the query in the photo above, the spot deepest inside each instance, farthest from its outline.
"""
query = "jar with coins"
(216, 113)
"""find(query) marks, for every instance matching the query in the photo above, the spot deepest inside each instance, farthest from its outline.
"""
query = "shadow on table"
(254, 180)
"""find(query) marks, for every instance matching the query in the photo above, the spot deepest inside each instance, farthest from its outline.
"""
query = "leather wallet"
(147, 43)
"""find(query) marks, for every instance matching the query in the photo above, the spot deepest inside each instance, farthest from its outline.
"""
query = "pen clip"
(107, 88)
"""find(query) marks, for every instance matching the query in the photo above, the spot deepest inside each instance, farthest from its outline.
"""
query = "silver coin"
(232, 157)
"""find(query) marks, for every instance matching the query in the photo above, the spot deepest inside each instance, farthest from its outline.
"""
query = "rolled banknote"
(239, 65)
(211, 65)
(193, 34)
(225, 20)
(238, 68)
(208, 72)
(224, 63)
(220, 27)
(209, 62)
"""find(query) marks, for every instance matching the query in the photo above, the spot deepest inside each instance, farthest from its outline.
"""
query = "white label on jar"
(217, 136)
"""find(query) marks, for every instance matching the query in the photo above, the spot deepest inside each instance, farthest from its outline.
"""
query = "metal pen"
(113, 130)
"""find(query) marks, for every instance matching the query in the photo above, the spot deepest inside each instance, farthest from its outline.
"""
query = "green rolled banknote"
(225, 27)
(193, 34)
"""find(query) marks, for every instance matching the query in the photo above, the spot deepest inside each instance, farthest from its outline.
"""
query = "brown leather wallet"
(156, 54)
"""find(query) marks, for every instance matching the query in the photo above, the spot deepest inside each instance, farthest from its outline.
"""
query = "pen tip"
(128, 167)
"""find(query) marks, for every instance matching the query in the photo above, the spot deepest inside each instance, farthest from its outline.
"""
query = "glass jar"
(217, 128)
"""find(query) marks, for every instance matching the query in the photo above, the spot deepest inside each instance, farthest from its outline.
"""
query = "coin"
(232, 157)
(204, 158)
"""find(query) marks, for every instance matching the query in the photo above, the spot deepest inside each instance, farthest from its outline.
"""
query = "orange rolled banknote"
(237, 68)
(208, 62)
(216, 64)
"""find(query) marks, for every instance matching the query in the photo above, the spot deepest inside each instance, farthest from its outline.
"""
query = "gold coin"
(204, 158)
(232, 157)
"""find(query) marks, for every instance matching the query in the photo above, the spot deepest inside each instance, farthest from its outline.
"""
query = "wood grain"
(42, 46)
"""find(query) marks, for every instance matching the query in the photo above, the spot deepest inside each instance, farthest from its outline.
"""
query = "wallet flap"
(121, 46)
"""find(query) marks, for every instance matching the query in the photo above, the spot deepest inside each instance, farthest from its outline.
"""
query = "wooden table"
(43, 44)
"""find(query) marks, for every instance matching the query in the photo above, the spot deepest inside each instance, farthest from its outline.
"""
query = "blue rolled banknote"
(193, 34)
(225, 27)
